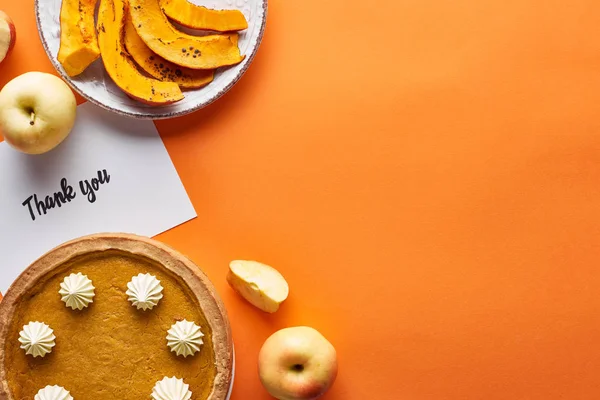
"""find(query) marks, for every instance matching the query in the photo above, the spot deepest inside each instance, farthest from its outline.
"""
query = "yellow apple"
(297, 364)
(37, 112)
(261, 285)
(8, 35)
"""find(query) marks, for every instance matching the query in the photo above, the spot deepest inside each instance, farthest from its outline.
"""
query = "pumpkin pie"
(110, 349)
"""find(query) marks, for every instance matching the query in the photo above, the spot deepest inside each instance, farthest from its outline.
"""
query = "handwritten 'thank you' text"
(65, 195)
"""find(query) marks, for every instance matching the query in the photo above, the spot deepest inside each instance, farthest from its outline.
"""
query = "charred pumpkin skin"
(206, 52)
(198, 17)
(78, 40)
(160, 68)
(120, 66)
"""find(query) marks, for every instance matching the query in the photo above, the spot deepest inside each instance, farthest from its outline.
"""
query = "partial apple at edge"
(8, 36)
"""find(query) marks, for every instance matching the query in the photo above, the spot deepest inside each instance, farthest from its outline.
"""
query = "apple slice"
(8, 35)
(261, 285)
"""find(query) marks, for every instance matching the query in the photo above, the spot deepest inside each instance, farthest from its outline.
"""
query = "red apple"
(297, 364)
(8, 35)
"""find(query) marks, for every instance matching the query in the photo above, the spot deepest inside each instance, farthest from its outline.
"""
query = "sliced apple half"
(195, 52)
(120, 66)
(261, 285)
(160, 68)
(8, 35)
(199, 17)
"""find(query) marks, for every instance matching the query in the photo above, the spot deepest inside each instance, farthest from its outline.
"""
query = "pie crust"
(199, 289)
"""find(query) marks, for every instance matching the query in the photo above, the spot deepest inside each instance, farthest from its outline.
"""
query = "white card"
(134, 188)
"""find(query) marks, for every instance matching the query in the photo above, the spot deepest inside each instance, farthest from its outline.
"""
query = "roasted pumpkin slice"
(78, 40)
(198, 17)
(120, 66)
(160, 68)
(206, 52)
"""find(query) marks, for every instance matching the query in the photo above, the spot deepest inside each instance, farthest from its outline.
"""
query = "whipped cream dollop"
(171, 389)
(77, 291)
(37, 339)
(144, 291)
(185, 338)
(53, 393)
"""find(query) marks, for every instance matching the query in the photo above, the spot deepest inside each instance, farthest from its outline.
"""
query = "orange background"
(426, 175)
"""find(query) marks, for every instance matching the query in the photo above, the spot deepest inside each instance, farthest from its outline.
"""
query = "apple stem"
(32, 121)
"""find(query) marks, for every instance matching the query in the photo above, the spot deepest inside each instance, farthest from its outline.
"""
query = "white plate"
(232, 377)
(95, 85)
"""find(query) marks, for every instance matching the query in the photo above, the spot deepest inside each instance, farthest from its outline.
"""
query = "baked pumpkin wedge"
(195, 52)
(198, 17)
(120, 66)
(160, 68)
(78, 40)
